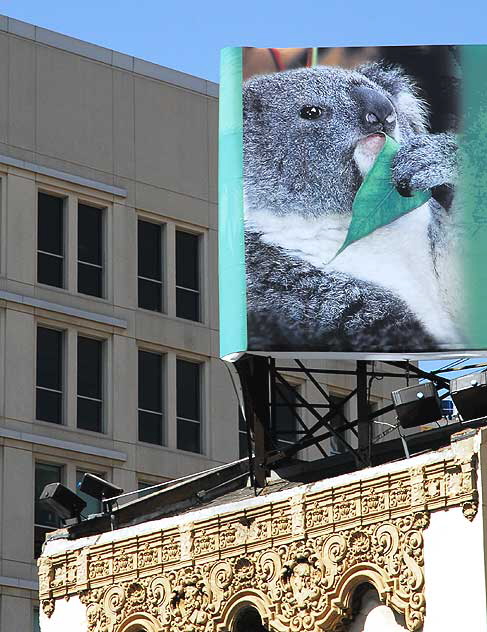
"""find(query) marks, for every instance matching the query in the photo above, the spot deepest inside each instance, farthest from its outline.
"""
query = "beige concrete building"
(108, 284)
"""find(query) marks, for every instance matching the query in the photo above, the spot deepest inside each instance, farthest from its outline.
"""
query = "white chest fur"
(397, 256)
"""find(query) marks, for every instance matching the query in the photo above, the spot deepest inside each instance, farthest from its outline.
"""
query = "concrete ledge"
(72, 446)
(63, 309)
(15, 582)
(62, 175)
(107, 56)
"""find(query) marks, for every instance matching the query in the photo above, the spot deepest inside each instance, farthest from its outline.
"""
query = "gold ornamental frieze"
(297, 560)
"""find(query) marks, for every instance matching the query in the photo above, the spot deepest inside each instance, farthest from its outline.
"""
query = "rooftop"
(107, 56)
(213, 491)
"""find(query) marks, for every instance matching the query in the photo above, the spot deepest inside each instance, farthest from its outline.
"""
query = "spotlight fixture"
(98, 488)
(62, 501)
(417, 405)
(469, 394)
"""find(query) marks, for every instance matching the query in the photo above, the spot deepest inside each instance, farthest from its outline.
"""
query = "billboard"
(353, 202)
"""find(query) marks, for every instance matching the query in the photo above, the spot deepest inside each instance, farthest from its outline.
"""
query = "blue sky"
(188, 35)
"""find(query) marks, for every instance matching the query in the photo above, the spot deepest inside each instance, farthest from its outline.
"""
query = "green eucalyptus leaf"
(378, 202)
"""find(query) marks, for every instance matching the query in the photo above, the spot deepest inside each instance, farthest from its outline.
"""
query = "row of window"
(90, 257)
(50, 390)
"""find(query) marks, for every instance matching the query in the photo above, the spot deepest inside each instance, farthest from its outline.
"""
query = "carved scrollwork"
(298, 563)
(114, 600)
(305, 585)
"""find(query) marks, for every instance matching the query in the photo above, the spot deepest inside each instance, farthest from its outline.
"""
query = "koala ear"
(252, 100)
(403, 90)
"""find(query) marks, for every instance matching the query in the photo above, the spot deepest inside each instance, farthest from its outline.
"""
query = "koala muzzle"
(376, 111)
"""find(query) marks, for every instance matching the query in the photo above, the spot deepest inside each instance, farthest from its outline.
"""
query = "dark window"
(44, 519)
(90, 381)
(49, 375)
(188, 383)
(90, 250)
(149, 241)
(93, 505)
(249, 620)
(187, 276)
(144, 488)
(36, 626)
(337, 421)
(285, 422)
(50, 240)
(150, 398)
(242, 436)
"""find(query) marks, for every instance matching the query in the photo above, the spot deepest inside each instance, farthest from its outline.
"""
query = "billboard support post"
(363, 427)
(266, 388)
(253, 372)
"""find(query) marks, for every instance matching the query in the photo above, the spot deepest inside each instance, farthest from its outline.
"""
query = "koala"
(310, 137)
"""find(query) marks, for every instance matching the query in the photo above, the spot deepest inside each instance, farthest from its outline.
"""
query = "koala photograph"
(312, 132)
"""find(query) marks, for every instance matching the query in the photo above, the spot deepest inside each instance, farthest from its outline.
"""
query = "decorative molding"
(17, 582)
(297, 560)
(72, 446)
(62, 175)
(62, 309)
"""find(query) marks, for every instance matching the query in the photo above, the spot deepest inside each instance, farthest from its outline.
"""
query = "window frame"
(36, 623)
(163, 252)
(63, 371)
(163, 413)
(64, 238)
(201, 276)
(79, 333)
(337, 447)
(143, 485)
(202, 403)
(103, 210)
(297, 385)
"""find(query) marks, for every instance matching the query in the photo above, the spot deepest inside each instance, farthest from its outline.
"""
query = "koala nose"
(376, 110)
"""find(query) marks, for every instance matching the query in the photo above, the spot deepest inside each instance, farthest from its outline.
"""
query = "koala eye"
(311, 112)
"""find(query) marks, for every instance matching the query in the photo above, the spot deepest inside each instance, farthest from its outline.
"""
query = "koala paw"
(425, 161)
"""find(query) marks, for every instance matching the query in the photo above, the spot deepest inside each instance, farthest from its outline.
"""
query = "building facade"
(108, 285)
(394, 548)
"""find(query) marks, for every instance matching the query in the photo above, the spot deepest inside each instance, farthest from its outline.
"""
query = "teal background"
(233, 301)
(473, 191)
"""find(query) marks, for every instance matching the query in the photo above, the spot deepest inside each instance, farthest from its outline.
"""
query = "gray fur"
(306, 167)
(293, 305)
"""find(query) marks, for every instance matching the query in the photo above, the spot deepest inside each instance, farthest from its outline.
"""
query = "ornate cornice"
(297, 560)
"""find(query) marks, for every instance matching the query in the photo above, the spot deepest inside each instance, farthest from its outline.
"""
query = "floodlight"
(417, 405)
(98, 488)
(63, 502)
(469, 393)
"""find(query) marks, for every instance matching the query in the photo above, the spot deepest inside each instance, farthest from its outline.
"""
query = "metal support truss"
(266, 389)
